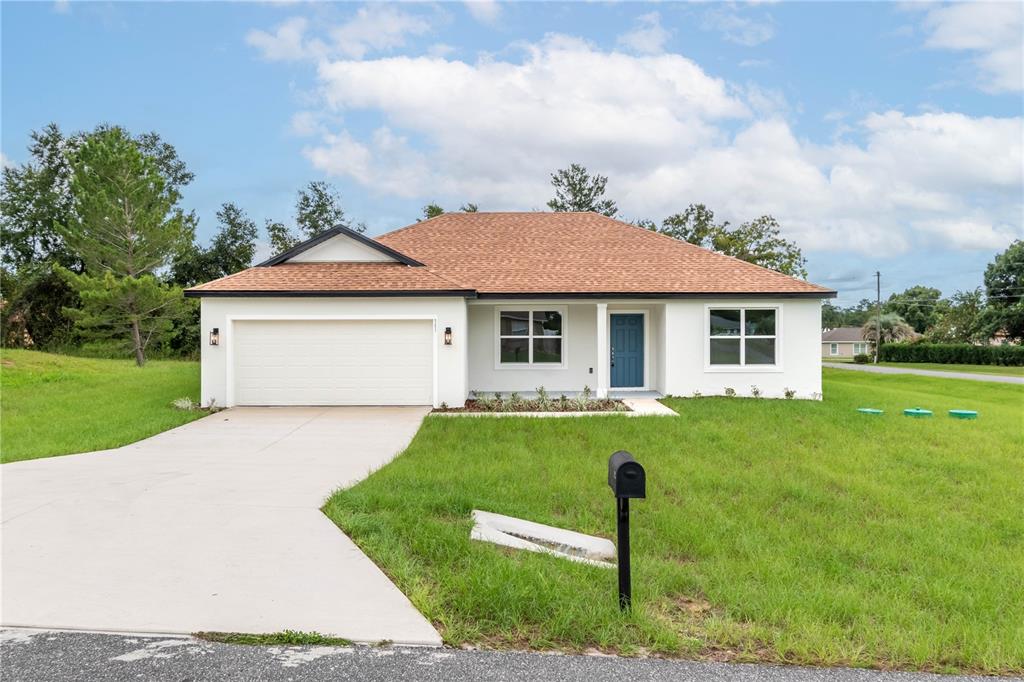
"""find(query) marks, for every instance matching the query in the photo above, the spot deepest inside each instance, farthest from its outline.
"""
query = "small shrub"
(186, 404)
(543, 399)
(697, 394)
(730, 392)
(861, 358)
(790, 393)
(563, 403)
(483, 402)
(444, 406)
(755, 391)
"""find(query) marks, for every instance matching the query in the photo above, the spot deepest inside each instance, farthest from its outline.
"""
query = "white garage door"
(333, 362)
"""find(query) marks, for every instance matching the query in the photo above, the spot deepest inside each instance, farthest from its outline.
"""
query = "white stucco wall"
(448, 311)
(798, 354)
(579, 347)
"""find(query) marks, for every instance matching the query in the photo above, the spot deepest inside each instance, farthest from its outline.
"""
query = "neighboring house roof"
(843, 335)
(533, 254)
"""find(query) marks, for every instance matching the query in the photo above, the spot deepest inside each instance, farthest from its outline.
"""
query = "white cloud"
(287, 43)
(5, 161)
(666, 133)
(374, 28)
(993, 31)
(737, 28)
(648, 36)
(484, 11)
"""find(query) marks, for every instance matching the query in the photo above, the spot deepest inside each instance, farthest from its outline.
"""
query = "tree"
(125, 225)
(1004, 292)
(577, 190)
(920, 306)
(37, 196)
(280, 237)
(469, 207)
(133, 311)
(318, 209)
(758, 241)
(432, 210)
(960, 321)
(231, 250)
(894, 328)
(32, 302)
(695, 225)
(34, 198)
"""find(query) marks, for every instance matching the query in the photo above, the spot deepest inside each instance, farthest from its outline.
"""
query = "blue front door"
(627, 351)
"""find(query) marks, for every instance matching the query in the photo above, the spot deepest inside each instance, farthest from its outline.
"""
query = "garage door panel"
(333, 362)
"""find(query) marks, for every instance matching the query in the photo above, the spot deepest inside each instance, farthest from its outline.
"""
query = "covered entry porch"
(612, 348)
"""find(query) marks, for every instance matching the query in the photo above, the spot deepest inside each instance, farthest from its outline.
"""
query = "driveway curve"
(215, 526)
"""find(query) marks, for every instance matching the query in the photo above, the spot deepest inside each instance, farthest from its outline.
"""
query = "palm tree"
(894, 328)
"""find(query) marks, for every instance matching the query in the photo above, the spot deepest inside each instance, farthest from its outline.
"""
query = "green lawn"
(788, 531)
(58, 404)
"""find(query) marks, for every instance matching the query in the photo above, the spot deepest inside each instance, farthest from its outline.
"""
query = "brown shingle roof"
(523, 253)
(576, 253)
(330, 277)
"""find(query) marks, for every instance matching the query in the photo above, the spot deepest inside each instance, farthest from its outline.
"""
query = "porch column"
(603, 365)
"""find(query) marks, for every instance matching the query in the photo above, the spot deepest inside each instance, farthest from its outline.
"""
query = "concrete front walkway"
(211, 526)
(997, 378)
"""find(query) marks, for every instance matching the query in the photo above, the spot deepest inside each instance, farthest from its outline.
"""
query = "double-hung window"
(529, 336)
(833, 349)
(860, 348)
(742, 336)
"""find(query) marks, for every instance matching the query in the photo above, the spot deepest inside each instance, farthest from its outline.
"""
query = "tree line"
(992, 311)
(97, 247)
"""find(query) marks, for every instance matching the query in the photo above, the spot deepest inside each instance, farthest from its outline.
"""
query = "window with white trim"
(833, 349)
(860, 349)
(742, 336)
(529, 336)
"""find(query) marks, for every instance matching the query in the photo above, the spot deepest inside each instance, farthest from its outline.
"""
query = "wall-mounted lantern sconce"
(447, 336)
(215, 337)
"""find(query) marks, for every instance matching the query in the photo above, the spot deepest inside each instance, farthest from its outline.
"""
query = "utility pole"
(878, 313)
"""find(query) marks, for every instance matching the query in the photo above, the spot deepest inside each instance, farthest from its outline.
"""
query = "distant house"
(843, 342)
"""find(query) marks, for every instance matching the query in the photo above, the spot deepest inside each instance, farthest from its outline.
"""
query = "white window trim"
(833, 349)
(863, 347)
(647, 349)
(531, 366)
(741, 368)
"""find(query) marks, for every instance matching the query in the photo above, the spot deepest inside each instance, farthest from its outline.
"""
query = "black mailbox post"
(628, 480)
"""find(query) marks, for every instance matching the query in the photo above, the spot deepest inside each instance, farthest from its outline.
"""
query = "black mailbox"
(626, 477)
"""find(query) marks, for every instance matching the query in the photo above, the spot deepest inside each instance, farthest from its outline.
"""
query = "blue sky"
(882, 136)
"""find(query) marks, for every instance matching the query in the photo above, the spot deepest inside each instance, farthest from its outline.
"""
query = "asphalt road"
(942, 374)
(38, 656)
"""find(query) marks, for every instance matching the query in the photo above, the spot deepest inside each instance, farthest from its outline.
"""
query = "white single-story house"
(485, 302)
(843, 342)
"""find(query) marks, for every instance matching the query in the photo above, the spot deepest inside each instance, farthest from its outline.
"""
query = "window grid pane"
(742, 336)
(527, 337)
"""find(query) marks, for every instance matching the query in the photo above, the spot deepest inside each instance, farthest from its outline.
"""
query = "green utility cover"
(868, 410)
(963, 414)
(917, 412)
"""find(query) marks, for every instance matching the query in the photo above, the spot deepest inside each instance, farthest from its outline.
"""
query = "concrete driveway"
(211, 526)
